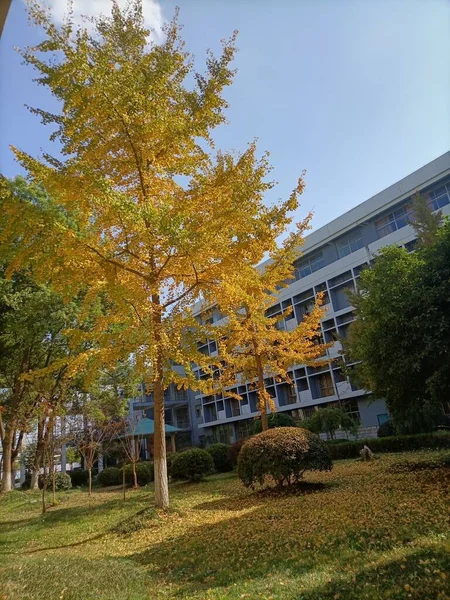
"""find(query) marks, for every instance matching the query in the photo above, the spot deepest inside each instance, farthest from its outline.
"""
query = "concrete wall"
(369, 409)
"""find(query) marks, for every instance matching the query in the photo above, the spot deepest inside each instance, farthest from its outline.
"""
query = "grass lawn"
(374, 530)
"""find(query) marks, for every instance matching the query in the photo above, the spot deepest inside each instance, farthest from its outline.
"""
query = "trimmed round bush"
(219, 453)
(144, 472)
(282, 455)
(79, 477)
(62, 482)
(274, 420)
(110, 476)
(191, 465)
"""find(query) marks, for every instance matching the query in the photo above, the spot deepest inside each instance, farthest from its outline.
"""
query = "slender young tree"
(130, 441)
(425, 221)
(138, 207)
(255, 345)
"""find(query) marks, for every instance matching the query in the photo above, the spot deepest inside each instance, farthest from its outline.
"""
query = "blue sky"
(357, 92)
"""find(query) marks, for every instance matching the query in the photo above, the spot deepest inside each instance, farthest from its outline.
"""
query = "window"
(182, 415)
(235, 407)
(210, 412)
(382, 418)
(308, 265)
(352, 409)
(302, 385)
(285, 306)
(411, 246)
(438, 197)
(393, 221)
(198, 411)
(243, 429)
(292, 396)
(330, 335)
(325, 385)
(308, 412)
(181, 395)
(350, 243)
(342, 278)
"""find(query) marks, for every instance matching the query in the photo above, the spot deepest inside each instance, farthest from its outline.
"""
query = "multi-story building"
(331, 262)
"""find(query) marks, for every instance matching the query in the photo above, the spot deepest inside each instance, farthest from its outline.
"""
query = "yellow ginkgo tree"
(253, 344)
(138, 207)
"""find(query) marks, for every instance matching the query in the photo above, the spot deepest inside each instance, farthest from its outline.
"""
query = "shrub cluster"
(191, 465)
(144, 472)
(398, 443)
(219, 453)
(283, 455)
(110, 476)
(79, 477)
(114, 475)
(62, 481)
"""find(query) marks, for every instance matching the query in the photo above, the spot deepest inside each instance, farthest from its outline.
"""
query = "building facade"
(332, 260)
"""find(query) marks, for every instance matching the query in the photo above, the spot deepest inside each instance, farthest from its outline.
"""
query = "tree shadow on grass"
(242, 500)
(421, 574)
(134, 522)
(228, 553)
(68, 515)
(271, 537)
(60, 513)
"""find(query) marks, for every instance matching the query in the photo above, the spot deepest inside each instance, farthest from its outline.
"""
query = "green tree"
(33, 360)
(402, 334)
(72, 455)
(328, 420)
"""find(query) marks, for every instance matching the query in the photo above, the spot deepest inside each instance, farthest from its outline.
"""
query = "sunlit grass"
(375, 530)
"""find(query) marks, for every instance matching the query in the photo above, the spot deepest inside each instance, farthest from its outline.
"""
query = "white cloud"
(91, 8)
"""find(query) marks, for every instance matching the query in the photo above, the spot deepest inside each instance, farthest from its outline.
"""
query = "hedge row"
(114, 475)
(397, 443)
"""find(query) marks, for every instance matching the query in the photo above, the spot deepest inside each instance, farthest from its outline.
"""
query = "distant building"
(332, 260)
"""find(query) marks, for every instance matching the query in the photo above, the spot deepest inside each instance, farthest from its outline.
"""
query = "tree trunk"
(7, 479)
(135, 481)
(52, 470)
(54, 484)
(123, 483)
(159, 449)
(38, 455)
(262, 393)
(90, 480)
(159, 437)
(17, 448)
(44, 486)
